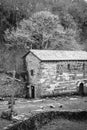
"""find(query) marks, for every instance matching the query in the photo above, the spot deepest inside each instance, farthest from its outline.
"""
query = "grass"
(64, 124)
(26, 106)
(4, 123)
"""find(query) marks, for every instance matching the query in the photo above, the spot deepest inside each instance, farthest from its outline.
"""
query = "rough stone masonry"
(53, 72)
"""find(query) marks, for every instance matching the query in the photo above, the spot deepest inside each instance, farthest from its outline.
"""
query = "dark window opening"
(32, 72)
(81, 89)
(68, 66)
(32, 92)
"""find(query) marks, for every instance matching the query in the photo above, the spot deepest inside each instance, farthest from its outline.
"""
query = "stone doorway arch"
(81, 88)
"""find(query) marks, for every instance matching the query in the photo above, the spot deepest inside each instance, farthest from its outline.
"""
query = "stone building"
(55, 72)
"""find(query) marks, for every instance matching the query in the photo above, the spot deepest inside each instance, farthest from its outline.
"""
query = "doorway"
(32, 92)
(81, 89)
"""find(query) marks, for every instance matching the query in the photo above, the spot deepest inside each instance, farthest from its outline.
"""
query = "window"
(68, 66)
(32, 72)
(59, 68)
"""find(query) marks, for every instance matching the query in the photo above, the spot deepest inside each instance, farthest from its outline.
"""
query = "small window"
(68, 66)
(32, 72)
(83, 66)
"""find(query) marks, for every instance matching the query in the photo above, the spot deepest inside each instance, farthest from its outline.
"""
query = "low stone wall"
(38, 119)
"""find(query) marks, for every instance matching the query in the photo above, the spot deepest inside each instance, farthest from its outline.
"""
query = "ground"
(74, 103)
(64, 124)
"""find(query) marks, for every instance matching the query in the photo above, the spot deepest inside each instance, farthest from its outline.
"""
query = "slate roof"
(55, 55)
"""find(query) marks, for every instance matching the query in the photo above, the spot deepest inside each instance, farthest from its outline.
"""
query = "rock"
(47, 98)
(39, 100)
(54, 98)
(1, 99)
(14, 113)
(10, 125)
(5, 128)
(73, 99)
(15, 118)
(39, 110)
(41, 107)
(10, 101)
(6, 114)
(51, 106)
(60, 106)
(43, 100)
(21, 117)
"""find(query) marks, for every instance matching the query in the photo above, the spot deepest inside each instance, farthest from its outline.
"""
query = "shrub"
(6, 115)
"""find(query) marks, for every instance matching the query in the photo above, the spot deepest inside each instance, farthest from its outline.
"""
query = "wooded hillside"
(40, 24)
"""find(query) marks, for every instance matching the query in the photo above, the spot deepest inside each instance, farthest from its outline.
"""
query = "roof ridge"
(55, 55)
(59, 50)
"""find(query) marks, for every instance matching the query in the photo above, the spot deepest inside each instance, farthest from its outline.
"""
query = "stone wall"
(54, 78)
(38, 119)
(61, 77)
(33, 63)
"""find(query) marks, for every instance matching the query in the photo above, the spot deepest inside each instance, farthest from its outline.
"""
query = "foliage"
(19, 36)
(8, 18)
(6, 115)
(44, 31)
(66, 19)
(12, 11)
(79, 12)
